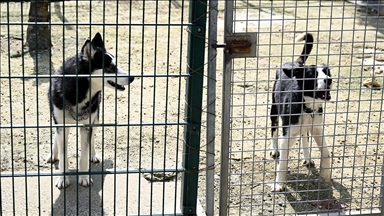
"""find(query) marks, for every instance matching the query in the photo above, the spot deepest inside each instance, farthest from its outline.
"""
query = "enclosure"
(154, 138)
(142, 131)
(348, 38)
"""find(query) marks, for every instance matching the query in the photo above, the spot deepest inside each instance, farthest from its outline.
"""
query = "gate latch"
(239, 45)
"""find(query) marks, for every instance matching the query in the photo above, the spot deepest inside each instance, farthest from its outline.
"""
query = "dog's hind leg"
(61, 142)
(273, 150)
(325, 165)
(282, 167)
(308, 162)
(86, 139)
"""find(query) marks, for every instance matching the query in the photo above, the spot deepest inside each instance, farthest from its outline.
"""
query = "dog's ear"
(294, 72)
(97, 41)
(289, 72)
(88, 50)
(288, 69)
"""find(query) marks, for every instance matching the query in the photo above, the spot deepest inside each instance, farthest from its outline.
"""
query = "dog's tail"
(308, 38)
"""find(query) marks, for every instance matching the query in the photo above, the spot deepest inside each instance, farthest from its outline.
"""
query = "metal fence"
(349, 39)
(148, 135)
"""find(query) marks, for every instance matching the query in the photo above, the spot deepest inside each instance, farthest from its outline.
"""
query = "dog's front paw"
(274, 153)
(51, 158)
(61, 183)
(309, 163)
(85, 181)
(277, 187)
(95, 158)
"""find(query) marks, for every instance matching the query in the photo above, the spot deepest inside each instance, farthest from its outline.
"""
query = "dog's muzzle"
(324, 94)
(115, 85)
(121, 80)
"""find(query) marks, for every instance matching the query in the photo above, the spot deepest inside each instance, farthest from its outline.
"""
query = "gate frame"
(225, 129)
(226, 112)
(193, 107)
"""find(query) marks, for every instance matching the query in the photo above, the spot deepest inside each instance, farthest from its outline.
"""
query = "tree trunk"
(38, 36)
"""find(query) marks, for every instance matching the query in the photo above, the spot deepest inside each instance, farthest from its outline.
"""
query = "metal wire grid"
(141, 131)
(348, 38)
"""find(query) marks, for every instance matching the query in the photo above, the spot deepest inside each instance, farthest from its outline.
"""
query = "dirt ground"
(350, 40)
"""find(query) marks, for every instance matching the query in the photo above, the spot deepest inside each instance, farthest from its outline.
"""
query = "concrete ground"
(109, 194)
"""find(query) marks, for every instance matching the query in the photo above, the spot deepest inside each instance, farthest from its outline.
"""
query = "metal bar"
(93, 125)
(211, 109)
(194, 92)
(25, 123)
(128, 108)
(226, 108)
(93, 76)
(382, 191)
(10, 113)
(154, 102)
(95, 24)
(141, 104)
(1, 145)
(179, 103)
(30, 174)
(166, 108)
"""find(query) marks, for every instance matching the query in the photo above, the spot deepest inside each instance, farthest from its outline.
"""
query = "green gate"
(148, 137)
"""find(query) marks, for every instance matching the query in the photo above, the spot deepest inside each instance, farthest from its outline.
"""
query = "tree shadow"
(372, 20)
(43, 65)
(61, 15)
(369, 13)
(311, 195)
(78, 200)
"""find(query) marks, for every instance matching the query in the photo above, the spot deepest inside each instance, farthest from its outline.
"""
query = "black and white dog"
(76, 100)
(298, 95)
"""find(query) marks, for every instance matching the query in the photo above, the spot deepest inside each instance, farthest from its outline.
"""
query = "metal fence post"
(226, 108)
(211, 109)
(194, 93)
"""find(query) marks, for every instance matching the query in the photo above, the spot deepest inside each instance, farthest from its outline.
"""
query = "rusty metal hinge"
(239, 45)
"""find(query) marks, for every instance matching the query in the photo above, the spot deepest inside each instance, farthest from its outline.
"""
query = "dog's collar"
(313, 112)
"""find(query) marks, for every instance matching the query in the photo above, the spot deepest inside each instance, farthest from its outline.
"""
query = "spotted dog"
(299, 93)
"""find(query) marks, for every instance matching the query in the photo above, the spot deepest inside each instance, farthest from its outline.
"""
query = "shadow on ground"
(42, 65)
(78, 200)
(310, 194)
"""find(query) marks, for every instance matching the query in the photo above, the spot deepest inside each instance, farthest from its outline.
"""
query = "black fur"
(75, 99)
(293, 82)
(73, 90)
(297, 98)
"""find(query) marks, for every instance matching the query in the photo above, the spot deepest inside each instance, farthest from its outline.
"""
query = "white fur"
(301, 37)
(122, 77)
(60, 145)
(308, 122)
(321, 85)
(70, 115)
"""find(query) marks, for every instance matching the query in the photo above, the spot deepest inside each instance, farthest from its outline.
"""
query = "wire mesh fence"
(140, 137)
(349, 39)
(148, 136)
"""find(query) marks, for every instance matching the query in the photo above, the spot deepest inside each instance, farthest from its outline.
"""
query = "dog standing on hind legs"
(76, 100)
(298, 95)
